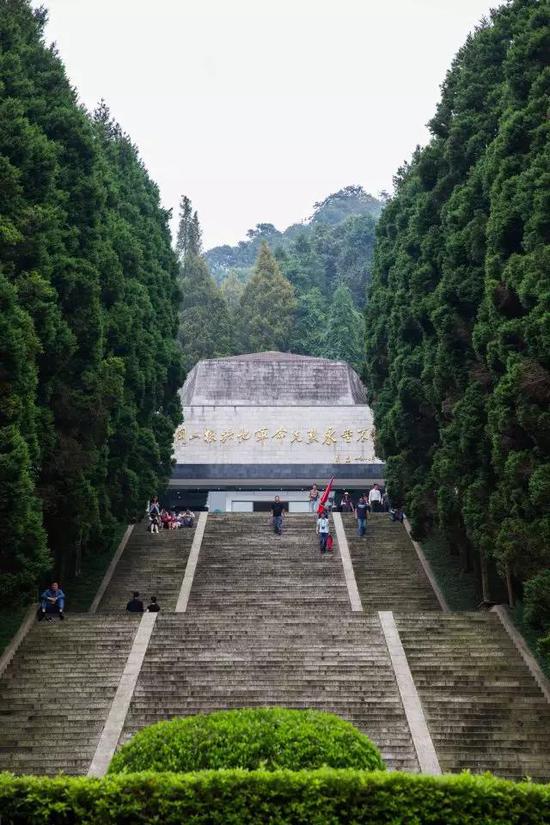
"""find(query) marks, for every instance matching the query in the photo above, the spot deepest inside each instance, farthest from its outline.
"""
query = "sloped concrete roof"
(272, 379)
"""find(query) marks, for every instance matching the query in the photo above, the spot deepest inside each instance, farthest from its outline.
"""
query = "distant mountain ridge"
(349, 202)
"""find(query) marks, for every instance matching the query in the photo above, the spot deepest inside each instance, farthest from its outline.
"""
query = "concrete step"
(388, 573)
(484, 709)
(339, 664)
(243, 565)
(57, 691)
(153, 564)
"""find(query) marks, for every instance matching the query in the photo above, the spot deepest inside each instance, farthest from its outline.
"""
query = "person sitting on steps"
(135, 605)
(154, 607)
(52, 600)
(323, 529)
(188, 518)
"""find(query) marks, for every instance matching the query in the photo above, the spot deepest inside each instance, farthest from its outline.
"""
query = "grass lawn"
(460, 589)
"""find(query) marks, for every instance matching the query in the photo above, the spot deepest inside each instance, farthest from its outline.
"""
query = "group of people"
(161, 519)
(135, 605)
(373, 501)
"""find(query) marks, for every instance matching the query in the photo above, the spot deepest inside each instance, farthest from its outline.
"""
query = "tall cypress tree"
(86, 249)
(267, 309)
(457, 353)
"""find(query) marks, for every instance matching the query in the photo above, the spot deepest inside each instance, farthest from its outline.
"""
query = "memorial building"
(271, 422)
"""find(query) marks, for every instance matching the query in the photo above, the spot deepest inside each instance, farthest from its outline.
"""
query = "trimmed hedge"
(249, 738)
(323, 797)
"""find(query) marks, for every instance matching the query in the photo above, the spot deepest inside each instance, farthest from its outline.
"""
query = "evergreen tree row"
(458, 321)
(89, 365)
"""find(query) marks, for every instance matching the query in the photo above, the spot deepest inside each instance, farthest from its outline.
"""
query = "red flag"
(324, 497)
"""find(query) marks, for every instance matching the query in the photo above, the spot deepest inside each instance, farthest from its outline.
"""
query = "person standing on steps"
(277, 511)
(313, 498)
(375, 499)
(52, 600)
(154, 607)
(361, 515)
(346, 504)
(135, 605)
(323, 530)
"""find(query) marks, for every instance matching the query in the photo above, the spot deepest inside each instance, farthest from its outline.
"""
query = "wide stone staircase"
(269, 622)
(484, 709)
(56, 693)
(387, 571)
(153, 564)
(243, 565)
(299, 658)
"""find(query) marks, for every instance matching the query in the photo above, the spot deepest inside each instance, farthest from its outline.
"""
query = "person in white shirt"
(375, 499)
(323, 529)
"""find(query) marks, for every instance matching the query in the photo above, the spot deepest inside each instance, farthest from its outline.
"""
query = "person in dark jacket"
(346, 503)
(135, 605)
(154, 607)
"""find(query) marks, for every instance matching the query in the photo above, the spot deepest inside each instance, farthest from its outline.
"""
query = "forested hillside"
(458, 321)
(317, 234)
(325, 262)
(89, 365)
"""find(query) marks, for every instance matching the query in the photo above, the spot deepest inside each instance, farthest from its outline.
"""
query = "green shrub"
(268, 738)
(536, 600)
(323, 797)
(543, 646)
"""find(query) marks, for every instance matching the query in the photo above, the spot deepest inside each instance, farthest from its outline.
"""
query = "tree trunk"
(485, 593)
(509, 586)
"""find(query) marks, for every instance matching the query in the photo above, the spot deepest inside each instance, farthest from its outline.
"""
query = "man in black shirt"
(361, 515)
(154, 607)
(277, 511)
(135, 605)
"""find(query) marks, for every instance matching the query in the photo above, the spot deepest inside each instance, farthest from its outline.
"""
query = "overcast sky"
(258, 108)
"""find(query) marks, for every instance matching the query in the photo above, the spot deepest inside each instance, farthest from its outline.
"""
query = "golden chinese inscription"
(329, 437)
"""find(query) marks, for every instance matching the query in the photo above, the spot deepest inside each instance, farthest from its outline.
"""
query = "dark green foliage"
(205, 329)
(266, 738)
(85, 248)
(536, 601)
(205, 323)
(267, 308)
(458, 320)
(344, 339)
(283, 797)
(23, 553)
